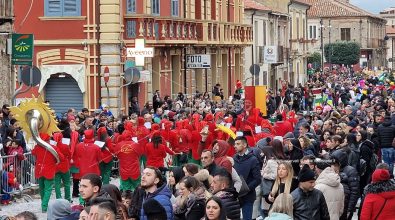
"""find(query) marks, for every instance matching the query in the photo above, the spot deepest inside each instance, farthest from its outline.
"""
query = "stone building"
(389, 15)
(6, 27)
(342, 21)
(78, 41)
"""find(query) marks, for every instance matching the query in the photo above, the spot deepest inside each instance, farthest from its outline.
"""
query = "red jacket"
(128, 153)
(45, 162)
(221, 158)
(64, 164)
(87, 155)
(155, 156)
(283, 127)
(106, 151)
(377, 194)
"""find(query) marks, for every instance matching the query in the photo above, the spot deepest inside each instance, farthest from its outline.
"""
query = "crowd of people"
(320, 151)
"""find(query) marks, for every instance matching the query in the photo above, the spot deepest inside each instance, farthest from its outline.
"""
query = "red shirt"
(155, 156)
(45, 162)
(88, 156)
(128, 153)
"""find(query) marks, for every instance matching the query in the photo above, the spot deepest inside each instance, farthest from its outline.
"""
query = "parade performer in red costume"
(62, 169)
(106, 155)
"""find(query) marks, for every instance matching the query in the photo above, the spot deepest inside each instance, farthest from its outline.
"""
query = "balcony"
(6, 11)
(376, 43)
(169, 30)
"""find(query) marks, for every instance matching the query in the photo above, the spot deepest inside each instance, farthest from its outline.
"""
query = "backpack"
(374, 159)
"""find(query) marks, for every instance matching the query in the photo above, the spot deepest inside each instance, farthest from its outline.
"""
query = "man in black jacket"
(309, 203)
(386, 134)
(349, 178)
(247, 166)
(222, 188)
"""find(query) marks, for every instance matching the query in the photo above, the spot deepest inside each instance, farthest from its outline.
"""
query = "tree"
(315, 59)
(347, 53)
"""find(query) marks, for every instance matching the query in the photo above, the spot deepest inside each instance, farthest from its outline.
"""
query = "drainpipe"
(253, 45)
(97, 15)
(185, 53)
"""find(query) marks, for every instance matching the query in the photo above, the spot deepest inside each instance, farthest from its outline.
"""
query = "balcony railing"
(172, 31)
(6, 9)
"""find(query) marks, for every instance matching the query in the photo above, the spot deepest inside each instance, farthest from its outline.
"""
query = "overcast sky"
(373, 6)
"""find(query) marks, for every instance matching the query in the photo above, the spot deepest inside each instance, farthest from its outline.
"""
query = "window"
(155, 7)
(130, 6)
(345, 34)
(312, 32)
(131, 29)
(174, 8)
(62, 8)
(297, 28)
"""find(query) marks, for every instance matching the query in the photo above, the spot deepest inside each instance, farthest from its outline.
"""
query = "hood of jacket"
(102, 134)
(89, 135)
(227, 193)
(57, 137)
(223, 148)
(341, 157)
(203, 175)
(162, 190)
(270, 170)
(58, 209)
(386, 189)
(328, 177)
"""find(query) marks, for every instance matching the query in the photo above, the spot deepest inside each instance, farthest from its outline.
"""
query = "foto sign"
(140, 52)
(199, 61)
(22, 49)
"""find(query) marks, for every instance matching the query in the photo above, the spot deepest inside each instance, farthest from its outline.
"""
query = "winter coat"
(194, 206)
(378, 194)
(155, 156)
(45, 162)
(88, 154)
(230, 202)
(220, 158)
(162, 195)
(386, 133)
(349, 178)
(328, 182)
(366, 149)
(128, 153)
(64, 165)
(278, 216)
(309, 205)
(282, 127)
(247, 166)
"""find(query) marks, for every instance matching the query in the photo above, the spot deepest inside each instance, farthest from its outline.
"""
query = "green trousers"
(45, 191)
(129, 184)
(65, 178)
(105, 171)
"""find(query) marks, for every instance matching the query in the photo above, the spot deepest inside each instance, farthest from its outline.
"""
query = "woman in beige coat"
(328, 182)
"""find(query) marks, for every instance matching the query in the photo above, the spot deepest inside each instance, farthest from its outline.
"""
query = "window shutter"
(72, 8)
(53, 8)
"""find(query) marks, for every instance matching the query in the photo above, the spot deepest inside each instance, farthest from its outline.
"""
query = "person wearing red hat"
(44, 170)
(88, 155)
(106, 155)
(156, 151)
(62, 169)
(128, 153)
(379, 202)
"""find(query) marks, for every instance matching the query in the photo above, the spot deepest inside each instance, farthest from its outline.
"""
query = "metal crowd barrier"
(23, 170)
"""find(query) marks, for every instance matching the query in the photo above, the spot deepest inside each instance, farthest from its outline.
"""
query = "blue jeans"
(246, 209)
(388, 155)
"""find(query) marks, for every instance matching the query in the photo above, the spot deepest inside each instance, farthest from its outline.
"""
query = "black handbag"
(244, 189)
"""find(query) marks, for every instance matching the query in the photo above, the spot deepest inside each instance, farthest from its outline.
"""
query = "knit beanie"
(58, 209)
(306, 174)
(380, 175)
